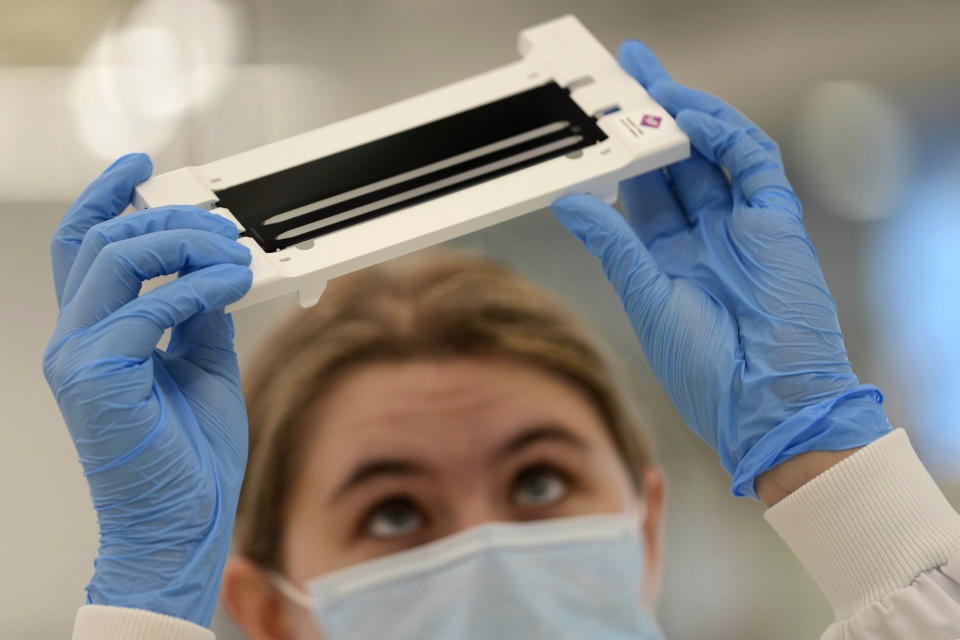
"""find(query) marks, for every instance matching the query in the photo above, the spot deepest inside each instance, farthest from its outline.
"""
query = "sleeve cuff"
(868, 525)
(100, 622)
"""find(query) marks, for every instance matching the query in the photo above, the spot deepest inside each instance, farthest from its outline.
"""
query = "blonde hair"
(440, 306)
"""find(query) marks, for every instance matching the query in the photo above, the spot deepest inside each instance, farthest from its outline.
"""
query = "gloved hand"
(161, 435)
(724, 291)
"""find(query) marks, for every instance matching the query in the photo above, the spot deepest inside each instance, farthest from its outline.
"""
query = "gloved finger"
(639, 61)
(652, 209)
(206, 340)
(103, 199)
(138, 224)
(676, 97)
(117, 272)
(631, 269)
(700, 186)
(135, 328)
(756, 173)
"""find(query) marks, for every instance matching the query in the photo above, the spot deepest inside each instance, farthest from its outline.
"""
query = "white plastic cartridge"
(563, 119)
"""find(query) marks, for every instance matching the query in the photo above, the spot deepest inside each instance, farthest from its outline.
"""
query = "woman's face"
(405, 453)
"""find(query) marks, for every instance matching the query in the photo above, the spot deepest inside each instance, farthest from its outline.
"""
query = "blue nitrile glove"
(724, 291)
(161, 435)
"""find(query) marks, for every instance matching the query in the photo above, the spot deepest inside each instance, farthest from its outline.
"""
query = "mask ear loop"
(290, 591)
(637, 512)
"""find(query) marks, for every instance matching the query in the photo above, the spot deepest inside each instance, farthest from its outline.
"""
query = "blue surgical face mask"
(565, 578)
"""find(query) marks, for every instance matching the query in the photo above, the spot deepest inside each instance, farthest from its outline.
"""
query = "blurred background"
(862, 95)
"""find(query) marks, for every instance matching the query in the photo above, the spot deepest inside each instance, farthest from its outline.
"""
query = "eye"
(394, 518)
(538, 486)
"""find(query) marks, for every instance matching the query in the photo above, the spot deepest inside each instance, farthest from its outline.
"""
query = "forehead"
(445, 407)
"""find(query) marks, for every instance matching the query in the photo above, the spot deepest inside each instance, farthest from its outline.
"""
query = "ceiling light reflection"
(139, 80)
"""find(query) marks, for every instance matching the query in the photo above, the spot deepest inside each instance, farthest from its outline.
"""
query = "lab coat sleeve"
(882, 543)
(99, 622)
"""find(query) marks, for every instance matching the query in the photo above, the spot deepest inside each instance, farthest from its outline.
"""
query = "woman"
(441, 452)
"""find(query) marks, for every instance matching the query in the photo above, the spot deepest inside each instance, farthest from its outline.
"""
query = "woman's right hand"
(161, 435)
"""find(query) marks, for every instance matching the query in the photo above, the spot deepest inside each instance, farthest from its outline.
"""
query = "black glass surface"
(256, 201)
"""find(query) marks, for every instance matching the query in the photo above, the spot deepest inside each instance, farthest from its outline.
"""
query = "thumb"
(628, 264)
(105, 198)
(639, 61)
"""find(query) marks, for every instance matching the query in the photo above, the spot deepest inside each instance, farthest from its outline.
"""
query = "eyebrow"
(387, 467)
(377, 468)
(537, 434)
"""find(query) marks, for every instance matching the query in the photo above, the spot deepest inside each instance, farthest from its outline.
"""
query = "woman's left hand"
(724, 291)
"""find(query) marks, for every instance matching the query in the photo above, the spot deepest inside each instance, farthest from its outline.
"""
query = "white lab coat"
(875, 532)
